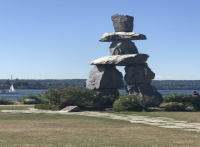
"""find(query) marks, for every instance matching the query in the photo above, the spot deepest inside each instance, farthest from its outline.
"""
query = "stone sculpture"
(104, 77)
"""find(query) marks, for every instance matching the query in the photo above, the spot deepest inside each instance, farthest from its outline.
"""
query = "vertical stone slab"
(104, 77)
(138, 74)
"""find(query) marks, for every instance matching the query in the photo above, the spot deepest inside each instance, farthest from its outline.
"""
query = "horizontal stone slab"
(108, 37)
(121, 60)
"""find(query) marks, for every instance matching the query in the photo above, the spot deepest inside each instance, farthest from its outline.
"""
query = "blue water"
(165, 92)
(33, 91)
(21, 93)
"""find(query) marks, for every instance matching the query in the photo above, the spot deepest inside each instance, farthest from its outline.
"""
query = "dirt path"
(153, 121)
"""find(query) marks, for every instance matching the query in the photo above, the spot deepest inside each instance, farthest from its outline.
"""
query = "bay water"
(168, 92)
(22, 92)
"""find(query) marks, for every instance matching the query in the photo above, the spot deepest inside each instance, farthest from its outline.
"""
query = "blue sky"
(57, 39)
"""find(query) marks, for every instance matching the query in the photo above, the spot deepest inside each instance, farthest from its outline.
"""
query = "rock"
(138, 74)
(108, 37)
(132, 89)
(122, 47)
(71, 109)
(105, 77)
(153, 109)
(121, 60)
(32, 101)
(122, 23)
(150, 91)
(144, 89)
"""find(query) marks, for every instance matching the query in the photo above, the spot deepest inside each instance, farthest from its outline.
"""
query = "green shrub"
(63, 97)
(147, 102)
(4, 101)
(29, 96)
(46, 106)
(174, 98)
(81, 97)
(135, 103)
(190, 102)
(174, 106)
(190, 107)
(128, 103)
(100, 100)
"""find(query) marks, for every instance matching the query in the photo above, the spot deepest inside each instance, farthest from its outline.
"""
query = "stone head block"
(122, 23)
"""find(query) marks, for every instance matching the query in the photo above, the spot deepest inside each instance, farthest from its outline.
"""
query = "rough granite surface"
(144, 90)
(122, 23)
(138, 74)
(121, 60)
(104, 77)
(122, 47)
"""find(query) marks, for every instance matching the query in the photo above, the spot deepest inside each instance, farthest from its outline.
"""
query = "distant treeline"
(63, 83)
(176, 84)
(42, 84)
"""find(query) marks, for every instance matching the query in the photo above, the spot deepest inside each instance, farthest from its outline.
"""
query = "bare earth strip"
(153, 121)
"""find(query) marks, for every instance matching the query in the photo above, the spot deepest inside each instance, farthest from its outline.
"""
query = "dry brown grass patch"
(186, 116)
(90, 132)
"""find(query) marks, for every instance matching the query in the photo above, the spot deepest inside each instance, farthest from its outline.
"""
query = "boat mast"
(11, 80)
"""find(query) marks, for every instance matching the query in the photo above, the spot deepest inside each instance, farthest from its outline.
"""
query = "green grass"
(11, 116)
(15, 107)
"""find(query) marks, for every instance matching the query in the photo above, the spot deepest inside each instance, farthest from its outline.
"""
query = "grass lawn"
(54, 130)
(15, 107)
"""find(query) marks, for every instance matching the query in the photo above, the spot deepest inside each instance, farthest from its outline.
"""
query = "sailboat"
(10, 91)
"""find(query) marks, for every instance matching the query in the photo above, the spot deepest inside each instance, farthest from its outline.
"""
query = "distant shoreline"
(64, 83)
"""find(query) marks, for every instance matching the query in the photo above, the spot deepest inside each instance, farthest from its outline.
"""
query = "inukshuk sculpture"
(106, 78)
